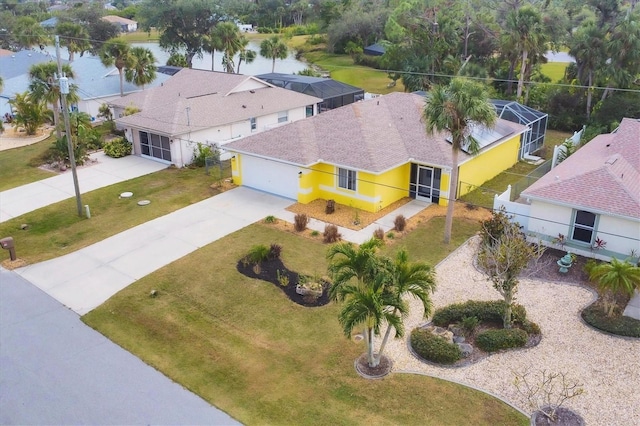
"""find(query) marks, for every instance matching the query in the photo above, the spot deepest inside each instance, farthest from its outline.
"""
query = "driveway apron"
(56, 370)
(84, 279)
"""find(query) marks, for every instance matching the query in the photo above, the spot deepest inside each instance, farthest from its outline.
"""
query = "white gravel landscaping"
(608, 367)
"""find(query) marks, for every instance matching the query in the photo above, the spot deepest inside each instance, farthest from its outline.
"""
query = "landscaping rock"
(439, 331)
(455, 329)
(458, 339)
(466, 349)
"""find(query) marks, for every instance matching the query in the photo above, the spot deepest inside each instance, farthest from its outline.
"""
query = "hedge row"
(622, 326)
(490, 311)
(434, 348)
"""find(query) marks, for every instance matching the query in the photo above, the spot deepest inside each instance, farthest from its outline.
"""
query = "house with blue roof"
(96, 83)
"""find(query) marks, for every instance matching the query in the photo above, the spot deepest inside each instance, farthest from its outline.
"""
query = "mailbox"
(8, 244)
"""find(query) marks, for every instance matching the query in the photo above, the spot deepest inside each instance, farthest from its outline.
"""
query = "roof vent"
(244, 106)
(252, 91)
(557, 177)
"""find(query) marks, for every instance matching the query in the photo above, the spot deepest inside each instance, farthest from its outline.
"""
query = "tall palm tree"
(456, 108)
(349, 263)
(623, 53)
(142, 69)
(212, 43)
(415, 279)
(45, 88)
(230, 40)
(117, 52)
(618, 276)
(28, 32)
(246, 55)
(587, 46)
(74, 37)
(524, 25)
(273, 48)
(372, 306)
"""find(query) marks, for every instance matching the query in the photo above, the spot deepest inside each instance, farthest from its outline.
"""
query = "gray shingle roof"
(603, 175)
(374, 135)
(207, 95)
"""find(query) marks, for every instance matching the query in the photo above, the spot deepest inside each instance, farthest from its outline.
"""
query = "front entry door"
(425, 183)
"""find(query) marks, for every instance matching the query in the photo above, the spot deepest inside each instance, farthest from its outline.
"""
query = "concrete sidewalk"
(24, 199)
(55, 370)
(84, 279)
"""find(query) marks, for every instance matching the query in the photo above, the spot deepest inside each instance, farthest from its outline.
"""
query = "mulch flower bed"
(269, 271)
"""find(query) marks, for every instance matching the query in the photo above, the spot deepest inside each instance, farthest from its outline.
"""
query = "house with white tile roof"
(124, 24)
(368, 155)
(206, 107)
(593, 197)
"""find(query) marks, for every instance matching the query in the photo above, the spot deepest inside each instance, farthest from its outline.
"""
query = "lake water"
(260, 65)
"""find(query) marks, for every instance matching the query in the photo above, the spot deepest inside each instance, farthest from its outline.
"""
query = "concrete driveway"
(84, 279)
(24, 199)
(55, 370)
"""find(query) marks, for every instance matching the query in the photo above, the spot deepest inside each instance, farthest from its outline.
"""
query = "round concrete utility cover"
(126, 195)
(143, 202)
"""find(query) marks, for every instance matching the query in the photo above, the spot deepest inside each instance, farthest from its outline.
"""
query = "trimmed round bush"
(117, 148)
(495, 340)
(530, 327)
(434, 348)
(484, 310)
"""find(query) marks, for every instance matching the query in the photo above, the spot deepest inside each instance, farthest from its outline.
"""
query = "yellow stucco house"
(368, 155)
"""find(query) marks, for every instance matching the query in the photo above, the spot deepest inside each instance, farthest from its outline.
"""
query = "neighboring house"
(125, 25)
(375, 49)
(368, 155)
(211, 108)
(334, 94)
(96, 83)
(593, 195)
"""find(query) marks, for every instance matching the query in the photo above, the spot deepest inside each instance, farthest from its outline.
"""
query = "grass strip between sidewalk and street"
(19, 166)
(242, 345)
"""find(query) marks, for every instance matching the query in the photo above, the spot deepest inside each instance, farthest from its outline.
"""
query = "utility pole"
(63, 83)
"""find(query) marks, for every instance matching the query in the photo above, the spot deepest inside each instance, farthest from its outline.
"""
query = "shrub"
(379, 234)
(274, 251)
(202, 152)
(530, 327)
(434, 348)
(331, 207)
(619, 325)
(315, 233)
(490, 311)
(504, 338)
(469, 324)
(399, 223)
(300, 222)
(117, 148)
(270, 219)
(258, 254)
(391, 235)
(283, 278)
(331, 234)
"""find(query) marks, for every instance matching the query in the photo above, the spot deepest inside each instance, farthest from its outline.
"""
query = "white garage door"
(270, 176)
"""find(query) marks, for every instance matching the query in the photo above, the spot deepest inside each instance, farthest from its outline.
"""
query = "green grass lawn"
(57, 229)
(141, 36)
(554, 70)
(244, 347)
(17, 166)
(343, 69)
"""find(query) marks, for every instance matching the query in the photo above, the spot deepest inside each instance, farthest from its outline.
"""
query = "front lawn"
(57, 229)
(18, 166)
(242, 345)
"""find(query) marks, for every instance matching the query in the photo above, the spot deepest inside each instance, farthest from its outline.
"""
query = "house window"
(156, 146)
(347, 179)
(583, 226)
(309, 111)
(254, 125)
(283, 116)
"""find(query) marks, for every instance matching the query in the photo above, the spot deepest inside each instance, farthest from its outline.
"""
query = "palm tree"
(29, 112)
(142, 69)
(415, 279)
(524, 26)
(587, 46)
(44, 87)
(117, 52)
(371, 305)
(618, 276)
(623, 53)
(230, 42)
(74, 37)
(246, 55)
(349, 263)
(29, 32)
(456, 108)
(273, 48)
(212, 43)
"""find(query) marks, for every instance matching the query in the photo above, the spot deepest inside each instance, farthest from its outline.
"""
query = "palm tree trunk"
(453, 185)
(384, 341)
(523, 66)
(121, 81)
(273, 65)
(213, 56)
(607, 90)
(239, 62)
(589, 94)
(371, 358)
